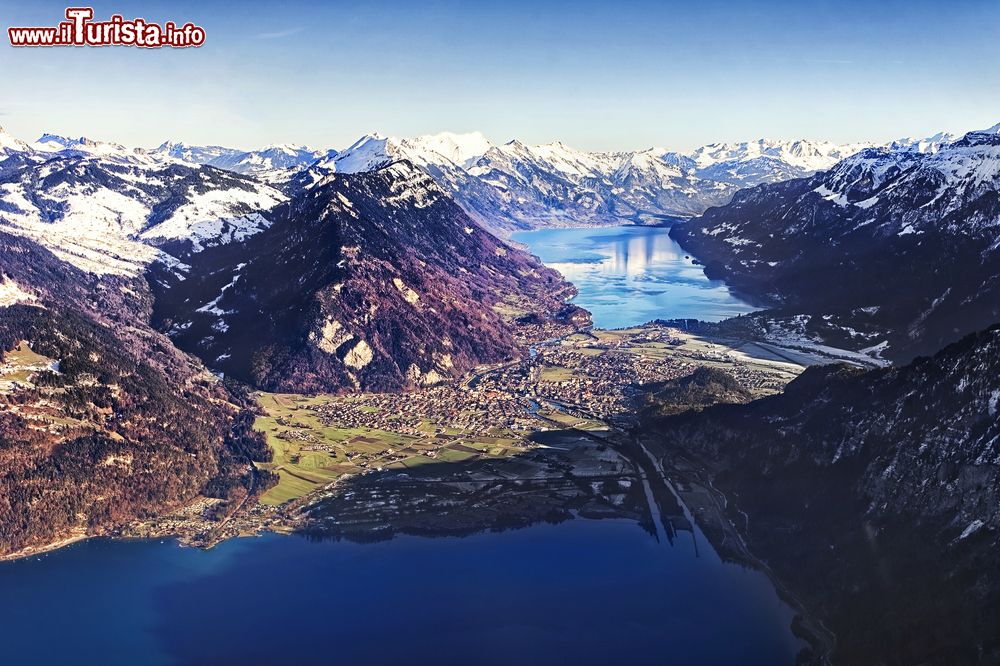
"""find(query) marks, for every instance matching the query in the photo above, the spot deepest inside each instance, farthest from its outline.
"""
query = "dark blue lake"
(631, 275)
(582, 592)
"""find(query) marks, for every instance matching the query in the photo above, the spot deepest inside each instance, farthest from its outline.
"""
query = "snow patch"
(971, 529)
(11, 293)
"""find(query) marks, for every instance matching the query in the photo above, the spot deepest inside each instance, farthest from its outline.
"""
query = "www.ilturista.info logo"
(79, 29)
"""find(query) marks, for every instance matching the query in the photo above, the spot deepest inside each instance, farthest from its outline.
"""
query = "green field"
(653, 350)
(21, 363)
(589, 351)
(309, 453)
(556, 373)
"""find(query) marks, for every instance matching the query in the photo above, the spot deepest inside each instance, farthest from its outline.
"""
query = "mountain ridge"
(513, 185)
(873, 494)
(890, 250)
(387, 284)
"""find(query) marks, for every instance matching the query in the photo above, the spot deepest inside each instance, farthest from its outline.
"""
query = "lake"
(632, 275)
(581, 592)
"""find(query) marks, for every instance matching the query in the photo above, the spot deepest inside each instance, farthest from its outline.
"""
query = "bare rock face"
(374, 280)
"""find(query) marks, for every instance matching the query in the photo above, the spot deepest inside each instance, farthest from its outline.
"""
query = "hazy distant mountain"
(194, 154)
(930, 144)
(515, 185)
(763, 161)
(519, 186)
(273, 164)
(893, 250)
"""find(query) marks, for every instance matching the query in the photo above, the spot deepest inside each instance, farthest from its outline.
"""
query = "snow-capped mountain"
(115, 215)
(504, 187)
(526, 186)
(374, 151)
(898, 249)
(375, 280)
(193, 154)
(766, 161)
(520, 186)
(271, 162)
(49, 144)
(930, 144)
(274, 164)
(393, 237)
(514, 185)
(10, 145)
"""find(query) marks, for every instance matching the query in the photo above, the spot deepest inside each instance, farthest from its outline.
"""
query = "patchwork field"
(20, 364)
(581, 382)
(311, 451)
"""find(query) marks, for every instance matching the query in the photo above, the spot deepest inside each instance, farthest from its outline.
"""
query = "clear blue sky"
(596, 75)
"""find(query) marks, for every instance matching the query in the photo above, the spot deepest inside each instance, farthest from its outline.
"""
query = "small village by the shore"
(557, 413)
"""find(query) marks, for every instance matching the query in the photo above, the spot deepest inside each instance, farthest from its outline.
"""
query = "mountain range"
(115, 262)
(892, 251)
(512, 186)
(144, 292)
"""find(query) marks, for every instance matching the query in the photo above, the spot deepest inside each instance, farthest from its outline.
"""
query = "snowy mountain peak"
(370, 152)
(54, 143)
(459, 149)
(803, 154)
(285, 148)
(444, 150)
(192, 154)
(930, 144)
(11, 144)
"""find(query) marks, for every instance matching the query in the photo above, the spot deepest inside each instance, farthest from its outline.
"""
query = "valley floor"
(564, 412)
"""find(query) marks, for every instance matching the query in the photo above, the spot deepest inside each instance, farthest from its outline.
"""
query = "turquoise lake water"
(632, 275)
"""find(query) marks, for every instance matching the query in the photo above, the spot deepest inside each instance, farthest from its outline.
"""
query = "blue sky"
(596, 75)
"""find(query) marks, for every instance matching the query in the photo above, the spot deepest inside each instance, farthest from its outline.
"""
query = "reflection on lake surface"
(631, 275)
(560, 563)
(581, 592)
